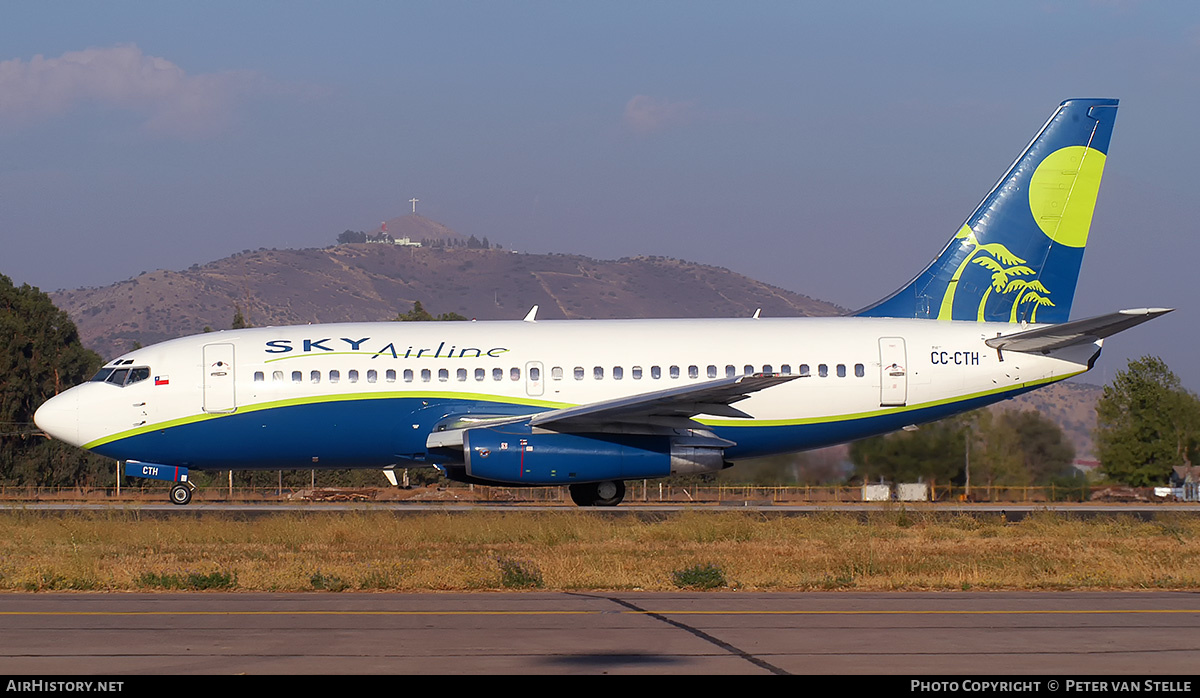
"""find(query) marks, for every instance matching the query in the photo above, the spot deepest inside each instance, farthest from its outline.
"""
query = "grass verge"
(379, 551)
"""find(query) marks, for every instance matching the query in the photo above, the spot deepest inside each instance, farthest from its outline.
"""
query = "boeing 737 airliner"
(592, 403)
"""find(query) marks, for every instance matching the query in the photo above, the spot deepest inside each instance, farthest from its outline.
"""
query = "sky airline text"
(345, 345)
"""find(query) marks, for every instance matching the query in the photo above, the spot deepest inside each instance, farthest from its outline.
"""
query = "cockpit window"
(122, 376)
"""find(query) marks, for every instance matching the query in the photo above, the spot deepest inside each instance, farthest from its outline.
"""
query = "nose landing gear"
(181, 493)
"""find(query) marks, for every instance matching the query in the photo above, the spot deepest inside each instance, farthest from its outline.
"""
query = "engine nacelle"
(513, 454)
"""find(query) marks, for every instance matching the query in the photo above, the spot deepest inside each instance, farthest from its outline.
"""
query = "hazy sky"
(828, 148)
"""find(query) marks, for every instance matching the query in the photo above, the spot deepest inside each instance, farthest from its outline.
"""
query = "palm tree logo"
(999, 254)
(1028, 292)
(1000, 280)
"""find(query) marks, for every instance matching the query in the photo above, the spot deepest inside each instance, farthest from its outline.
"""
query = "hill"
(366, 282)
(418, 228)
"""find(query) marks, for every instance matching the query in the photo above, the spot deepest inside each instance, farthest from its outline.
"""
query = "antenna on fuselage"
(756, 313)
(531, 316)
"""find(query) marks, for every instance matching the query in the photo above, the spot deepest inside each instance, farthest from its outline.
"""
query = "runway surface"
(1059, 634)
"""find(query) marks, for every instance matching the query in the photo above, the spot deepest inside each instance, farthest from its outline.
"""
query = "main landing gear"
(598, 494)
(181, 493)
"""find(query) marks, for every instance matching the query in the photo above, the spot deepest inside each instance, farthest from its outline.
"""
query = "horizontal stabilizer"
(1086, 331)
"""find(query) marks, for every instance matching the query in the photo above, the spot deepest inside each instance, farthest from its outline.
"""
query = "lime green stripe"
(876, 413)
(480, 397)
(345, 397)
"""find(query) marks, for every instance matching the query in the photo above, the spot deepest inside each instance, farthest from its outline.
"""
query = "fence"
(638, 491)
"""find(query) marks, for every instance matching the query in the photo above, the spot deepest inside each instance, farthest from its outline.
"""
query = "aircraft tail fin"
(1017, 257)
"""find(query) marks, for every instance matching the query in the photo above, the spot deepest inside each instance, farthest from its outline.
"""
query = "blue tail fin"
(1017, 258)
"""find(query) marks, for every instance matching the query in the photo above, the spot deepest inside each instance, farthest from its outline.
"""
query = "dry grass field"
(376, 551)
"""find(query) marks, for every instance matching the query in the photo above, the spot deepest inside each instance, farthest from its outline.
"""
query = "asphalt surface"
(1055, 634)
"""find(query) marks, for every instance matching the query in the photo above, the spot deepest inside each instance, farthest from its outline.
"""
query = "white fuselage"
(367, 394)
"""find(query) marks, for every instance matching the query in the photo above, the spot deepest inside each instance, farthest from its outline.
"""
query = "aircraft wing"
(670, 407)
(1067, 334)
(711, 397)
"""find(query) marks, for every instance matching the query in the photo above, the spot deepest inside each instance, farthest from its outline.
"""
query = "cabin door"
(218, 378)
(893, 369)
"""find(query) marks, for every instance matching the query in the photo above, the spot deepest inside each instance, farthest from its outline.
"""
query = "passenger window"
(693, 371)
(712, 371)
(859, 370)
(462, 374)
(674, 371)
(785, 369)
(637, 373)
(730, 371)
(314, 377)
(352, 376)
(443, 375)
(259, 376)
(514, 373)
(822, 370)
(408, 376)
(372, 376)
(390, 376)
(277, 377)
(579, 373)
(297, 377)
(767, 368)
(804, 369)
(747, 370)
(598, 372)
(480, 374)
(655, 372)
(841, 370)
(535, 374)
(618, 373)
(334, 376)
(426, 375)
(497, 374)
(556, 373)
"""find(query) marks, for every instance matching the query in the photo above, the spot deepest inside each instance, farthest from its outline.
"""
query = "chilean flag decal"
(162, 380)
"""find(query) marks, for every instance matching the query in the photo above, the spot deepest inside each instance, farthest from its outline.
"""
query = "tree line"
(349, 237)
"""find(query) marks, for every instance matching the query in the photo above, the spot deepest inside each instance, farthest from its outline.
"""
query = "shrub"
(699, 576)
(519, 574)
(327, 582)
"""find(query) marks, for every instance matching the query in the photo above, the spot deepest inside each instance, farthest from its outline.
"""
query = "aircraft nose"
(59, 417)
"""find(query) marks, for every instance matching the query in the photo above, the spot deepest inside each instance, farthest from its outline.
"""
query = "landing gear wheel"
(582, 494)
(609, 493)
(598, 494)
(181, 494)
